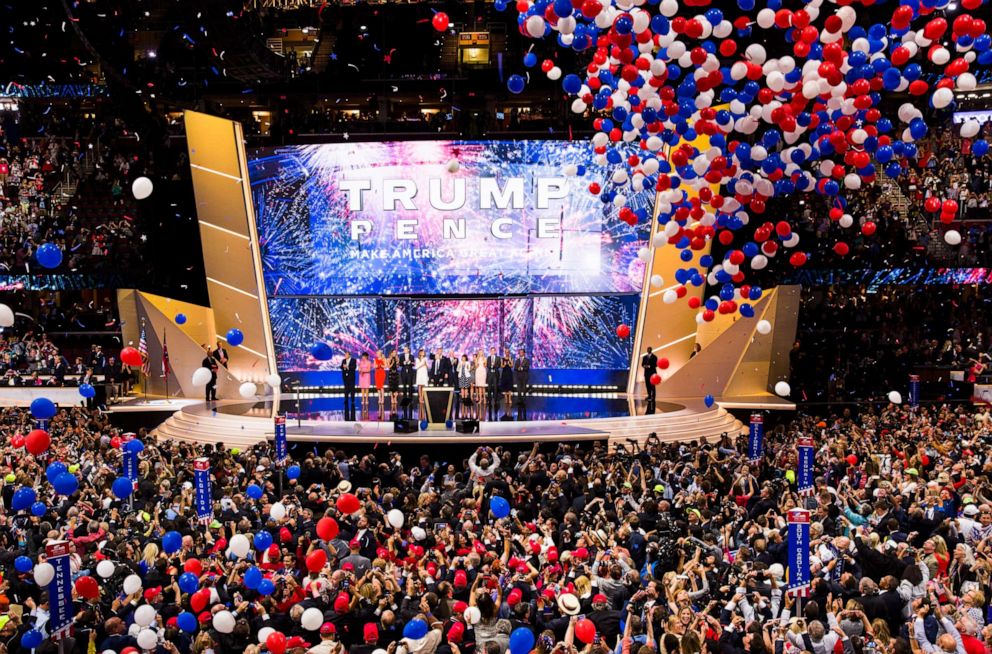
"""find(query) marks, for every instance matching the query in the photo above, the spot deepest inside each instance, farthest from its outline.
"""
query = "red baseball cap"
(152, 592)
(328, 627)
(456, 632)
(370, 632)
(514, 597)
(461, 579)
(459, 607)
(552, 554)
(600, 598)
(581, 553)
(296, 641)
(341, 603)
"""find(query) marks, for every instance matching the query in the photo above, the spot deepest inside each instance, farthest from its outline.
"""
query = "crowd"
(673, 548)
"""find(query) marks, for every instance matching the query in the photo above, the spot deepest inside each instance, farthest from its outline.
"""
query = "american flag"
(166, 369)
(143, 351)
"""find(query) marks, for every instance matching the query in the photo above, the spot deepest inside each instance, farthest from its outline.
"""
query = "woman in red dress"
(380, 377)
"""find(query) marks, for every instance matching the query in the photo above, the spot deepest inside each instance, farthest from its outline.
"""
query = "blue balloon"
(263, 540)
(23, 498)
(65, 484)
(321, 351)
(48, 255)
(980, 148)
(235, 337)
(134, 446)
(415, 629)
(423, 425)
(87, 390)
(266, 587)
(530, 59)
(253, 577)
(293, 472)
(23, 564)
(42, 408)
(189, 583)
(572, 83)
(521, 641)
(708, 401)
(122, 487)
(254, 491)
(38, 509)
(180, 318)
(31, 639)
(186, 622)
(516, 84)
(172, 541)
(55, 469)
(499, 507)
(747, 310)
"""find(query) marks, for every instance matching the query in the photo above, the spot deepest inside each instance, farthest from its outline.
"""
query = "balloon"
(132, 584)
(235, 337)
(105, 569)
(316, 560)
(65, 484)
(198, 600)
(247, 390)
(312, 618)
(782, 389)
(37, 441)
(131, 357)
(187, 622)
(6, 316)
(31, 639)
(521, 641)
(224, 622)
(623, 331)
(141, 188)
(48, 255)
(189, 583)
(253, 577)
(274, 381)
(263, 634)
(952, 237)
(515, 83)
(440, 21)
(147, 638)
(585, 630)
(499, 507)
(254, 491)
(262, 540)
(327, 528)
(42, 408)
(194, 566)
(122, 487)
(180, 318)
(144, 615)
(277, 511)
(708, 401)
(763, 327)
(172, 541)
(293, 472)
(38, 509)
(347, 504)
(239, 545)
(23, 564)
(43, 574)
(201, 377)
(395, 518)
(895, 397)
(54, 469)
(134, 446)
(87, 390)
(276, 642)
(418, 533)
(415, 629)
(321, 351)
(266, 587)
(88, 587)
(23, 498)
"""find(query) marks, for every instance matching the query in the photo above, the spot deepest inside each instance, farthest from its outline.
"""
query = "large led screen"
(440, 218)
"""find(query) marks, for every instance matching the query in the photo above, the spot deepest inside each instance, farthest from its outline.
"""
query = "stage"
(544, 419)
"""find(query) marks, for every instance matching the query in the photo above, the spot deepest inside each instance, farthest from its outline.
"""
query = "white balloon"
(952, 237)
(782, 389)
(144, 615)
(766, 18)
(670, 297)
(418, 533)
(224, 622)
(105, 569)
(758, 262)
(141, 188)
(967, 82)
(6, 316)
(264, 633)
(43, 574)
(969, 128)
(247, 390)
(311, 619)
(201, 376)
(942, 97)
(644, 254)
(240, 545)
(570, 170)
(473, 614)
(940, 56)
(895, 397)
(535, 26)
(278, 511)
(147, 639)
(452, 166)
(657, 281)
(132, 584)
(395, 518)
(846, 220)
(763, 327)
(274, 381)
(554, 74)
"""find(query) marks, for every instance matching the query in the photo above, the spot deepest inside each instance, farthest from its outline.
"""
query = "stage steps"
(245, 431)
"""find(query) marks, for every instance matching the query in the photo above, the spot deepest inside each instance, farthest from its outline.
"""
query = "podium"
(438, 403)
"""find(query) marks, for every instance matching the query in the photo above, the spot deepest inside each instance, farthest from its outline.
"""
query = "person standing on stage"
(464, 372)
(506, 376)
(365, 379)
(348, 368)
(210, 363)
(649, 363)
(440, 368)
(220, 354)
(380, 379)
(493, 362)
(406, 371)
(393, 378)
(521, 374)
(423, 374)
(481, 377)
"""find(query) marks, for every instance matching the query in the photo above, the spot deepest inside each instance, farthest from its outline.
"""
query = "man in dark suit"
(221, 354)
(210, 363)
(406, 371)
(348, 368)
(492, 376)
(649, 363)
(521, 374)
(440, 370)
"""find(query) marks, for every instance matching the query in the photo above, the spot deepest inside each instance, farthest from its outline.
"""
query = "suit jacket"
(521, 370)
(348, 368)
(649, 362)
(406, 361)
(493, 362)
(439, 369)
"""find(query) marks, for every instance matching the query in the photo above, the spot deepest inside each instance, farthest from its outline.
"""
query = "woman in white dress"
(480, 379)
(420, 366)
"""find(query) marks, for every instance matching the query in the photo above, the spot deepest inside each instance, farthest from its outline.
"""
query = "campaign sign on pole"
(807, 451)
(131, 465)
(59, 590)
(280, 439)
(756, 437)
(799, 577)
(201, 478)
(914, 390)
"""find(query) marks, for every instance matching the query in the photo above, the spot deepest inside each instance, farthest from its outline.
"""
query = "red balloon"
(276, 642)
(115, 442)
(316, 560)
(194, 566)
(663, 363)
(797, 259)
(17, 441)
(131, 357)
(37, 441)
(327, 528)
(348, 504)
(932, 204)
(852, 459)
(655, 379)
(440, 21)
(88, 587)
(198, 600)
(868, 228)
(585, 630)
(841, 249)
(623, 331)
